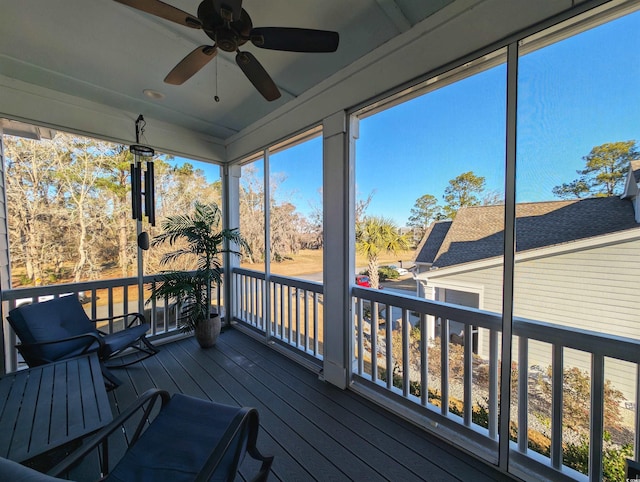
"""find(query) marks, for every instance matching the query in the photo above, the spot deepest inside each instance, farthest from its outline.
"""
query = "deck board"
(315, 430)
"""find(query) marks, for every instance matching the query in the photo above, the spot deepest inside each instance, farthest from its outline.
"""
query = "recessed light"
(153, 94)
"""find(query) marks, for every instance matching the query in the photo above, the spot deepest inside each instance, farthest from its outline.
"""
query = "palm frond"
(203, 239)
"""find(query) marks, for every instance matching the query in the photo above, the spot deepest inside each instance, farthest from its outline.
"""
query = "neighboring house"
(577, 264)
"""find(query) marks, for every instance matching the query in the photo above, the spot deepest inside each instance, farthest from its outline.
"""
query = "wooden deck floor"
(315, 431)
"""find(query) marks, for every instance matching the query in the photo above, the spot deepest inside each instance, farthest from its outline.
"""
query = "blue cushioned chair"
(189, 440)
(60, 328)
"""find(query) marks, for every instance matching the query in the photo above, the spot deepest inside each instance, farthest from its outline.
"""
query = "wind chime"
(142, 178)
(138, 176)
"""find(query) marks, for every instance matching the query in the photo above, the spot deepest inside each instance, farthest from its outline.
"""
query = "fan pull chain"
(215, 97)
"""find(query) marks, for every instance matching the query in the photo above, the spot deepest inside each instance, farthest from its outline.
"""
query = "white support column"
(338, 209)
(231, 210)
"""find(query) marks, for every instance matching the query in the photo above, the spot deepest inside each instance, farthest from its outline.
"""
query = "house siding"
(593, 289)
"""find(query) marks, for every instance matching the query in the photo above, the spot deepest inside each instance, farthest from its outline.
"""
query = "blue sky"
(573, 95)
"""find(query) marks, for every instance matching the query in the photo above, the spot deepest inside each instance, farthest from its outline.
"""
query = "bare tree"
(79, 165)
(32, 196)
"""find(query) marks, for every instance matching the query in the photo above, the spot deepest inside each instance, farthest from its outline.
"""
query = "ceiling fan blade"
(163, 10)
(229, 10)
(257, 75)
(191, 64)
(295, 39)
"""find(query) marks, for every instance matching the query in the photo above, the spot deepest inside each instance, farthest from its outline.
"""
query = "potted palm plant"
(196, 236)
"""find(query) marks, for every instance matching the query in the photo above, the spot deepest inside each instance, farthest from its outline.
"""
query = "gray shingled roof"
(431, 241)
(477, 232)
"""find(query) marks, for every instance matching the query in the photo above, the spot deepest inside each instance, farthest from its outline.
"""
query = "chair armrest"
(136, 316)
(27, 348)
(145, 402)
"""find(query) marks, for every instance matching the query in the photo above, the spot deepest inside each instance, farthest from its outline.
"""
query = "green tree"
(424, 212)
(605, 168)
(374, 235)
(462, 191)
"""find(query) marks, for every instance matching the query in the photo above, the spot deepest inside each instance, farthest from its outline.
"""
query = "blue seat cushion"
(56, 319)
(178, 443)
(122, 339)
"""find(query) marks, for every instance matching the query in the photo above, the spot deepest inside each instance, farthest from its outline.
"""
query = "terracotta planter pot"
(207, 331)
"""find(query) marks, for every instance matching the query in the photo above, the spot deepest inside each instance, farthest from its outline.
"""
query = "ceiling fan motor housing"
(228, 36)
(227, 40)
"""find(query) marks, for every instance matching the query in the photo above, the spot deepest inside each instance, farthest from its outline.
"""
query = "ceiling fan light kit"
(229, 26)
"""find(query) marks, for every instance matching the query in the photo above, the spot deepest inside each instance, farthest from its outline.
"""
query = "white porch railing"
(425, 392)
(103, 298)
(295, 309)
(429, 374)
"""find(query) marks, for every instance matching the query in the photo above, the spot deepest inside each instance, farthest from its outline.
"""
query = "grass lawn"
(309, 261)
(306, 261)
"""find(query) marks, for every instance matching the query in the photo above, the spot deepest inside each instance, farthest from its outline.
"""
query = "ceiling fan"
(229, 26)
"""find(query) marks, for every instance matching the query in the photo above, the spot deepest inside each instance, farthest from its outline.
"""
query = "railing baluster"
(94, 305)
(306, 319)
(275, 308)
(243, 298)
(282, 312)
(468, 374)
(255, 301)
(373, 326)
(597, 418)
(289, 315)
(249, 304)
(360, 318)
(494, 367)
(110, 304)
(262, 305)
(557, 381)
(153, 316)
(297, 291)
(523, 394)
(388, 333)
(406, 369)
(444, 366)
(316, 343)
(125, 299)
(424, 361)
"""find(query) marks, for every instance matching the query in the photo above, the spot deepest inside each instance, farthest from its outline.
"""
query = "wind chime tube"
(136, 191)
(149, 194)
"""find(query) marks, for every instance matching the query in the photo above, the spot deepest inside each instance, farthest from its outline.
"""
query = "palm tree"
(374, 235)
(198, 236)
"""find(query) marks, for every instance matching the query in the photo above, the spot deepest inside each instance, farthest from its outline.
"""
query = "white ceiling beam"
(391, 10)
